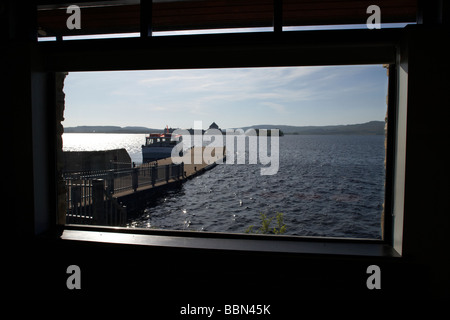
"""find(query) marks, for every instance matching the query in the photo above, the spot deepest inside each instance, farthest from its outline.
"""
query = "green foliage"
(280, 224)
(280, 228)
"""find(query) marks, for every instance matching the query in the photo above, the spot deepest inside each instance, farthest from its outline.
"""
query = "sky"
(233, 98)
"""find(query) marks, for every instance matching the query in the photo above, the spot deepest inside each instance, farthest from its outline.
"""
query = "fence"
(89, 195)
(89, 203)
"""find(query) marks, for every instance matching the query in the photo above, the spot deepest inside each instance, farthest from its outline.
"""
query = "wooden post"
(154, 175)
(123, 215)
(167, 172)
(98, 203)
(134, 179)
(75, 190)
(182, 172)
(111, 182)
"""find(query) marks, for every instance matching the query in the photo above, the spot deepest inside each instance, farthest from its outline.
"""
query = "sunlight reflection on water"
(105, 141)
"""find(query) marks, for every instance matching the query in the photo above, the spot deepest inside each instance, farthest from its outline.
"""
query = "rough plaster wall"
(60, 96)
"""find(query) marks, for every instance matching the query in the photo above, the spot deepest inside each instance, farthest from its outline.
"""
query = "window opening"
(326, 152)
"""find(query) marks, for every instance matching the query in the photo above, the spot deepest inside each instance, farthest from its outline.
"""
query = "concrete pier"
(95, 197)
(137, 199)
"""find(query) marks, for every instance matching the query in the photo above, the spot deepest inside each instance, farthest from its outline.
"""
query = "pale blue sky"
(232, 98)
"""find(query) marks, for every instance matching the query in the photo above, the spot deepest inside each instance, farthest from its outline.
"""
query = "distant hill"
(110, 129)
(368, 128)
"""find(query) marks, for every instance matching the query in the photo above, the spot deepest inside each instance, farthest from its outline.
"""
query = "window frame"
(302, 48)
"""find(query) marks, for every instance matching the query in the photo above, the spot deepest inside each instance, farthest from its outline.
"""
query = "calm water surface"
(325, 186)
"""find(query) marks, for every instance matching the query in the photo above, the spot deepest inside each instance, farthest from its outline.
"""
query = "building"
(214, 126)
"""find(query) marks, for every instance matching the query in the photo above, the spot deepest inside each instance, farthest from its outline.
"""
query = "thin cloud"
(275, 106)
(292, 93)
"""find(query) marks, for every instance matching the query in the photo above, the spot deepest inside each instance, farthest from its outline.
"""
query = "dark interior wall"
(427, 209)
(36, 266)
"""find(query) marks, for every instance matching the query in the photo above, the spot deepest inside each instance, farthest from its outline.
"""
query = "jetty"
(108, 197)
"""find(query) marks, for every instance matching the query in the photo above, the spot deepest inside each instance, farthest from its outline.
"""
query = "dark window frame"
(304, 48)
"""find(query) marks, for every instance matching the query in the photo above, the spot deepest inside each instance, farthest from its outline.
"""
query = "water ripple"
(325, 186)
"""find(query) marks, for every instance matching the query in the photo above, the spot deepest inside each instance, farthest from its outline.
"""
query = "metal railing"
(89, 194)
(130, 178)
(89, 203)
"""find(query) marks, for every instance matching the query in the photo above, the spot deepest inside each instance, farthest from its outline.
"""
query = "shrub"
(280, 228)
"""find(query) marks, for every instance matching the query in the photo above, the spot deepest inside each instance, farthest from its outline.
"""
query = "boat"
(159, 145)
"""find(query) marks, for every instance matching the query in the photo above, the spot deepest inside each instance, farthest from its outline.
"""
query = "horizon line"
(265, 124)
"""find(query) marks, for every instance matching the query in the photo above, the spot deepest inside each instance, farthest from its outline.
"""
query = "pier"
(107, 197)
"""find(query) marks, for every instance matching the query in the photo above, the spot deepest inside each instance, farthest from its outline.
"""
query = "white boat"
(159, 146)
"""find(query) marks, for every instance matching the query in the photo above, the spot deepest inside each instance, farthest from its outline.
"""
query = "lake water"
(105, 141)
(330, 185)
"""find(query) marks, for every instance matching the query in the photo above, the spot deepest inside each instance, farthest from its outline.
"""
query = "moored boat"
(159, 146)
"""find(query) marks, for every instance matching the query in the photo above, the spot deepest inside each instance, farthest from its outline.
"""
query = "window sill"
(218, 241)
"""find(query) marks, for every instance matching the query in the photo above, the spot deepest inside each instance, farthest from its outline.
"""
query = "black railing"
(89, 194)
(119, 180)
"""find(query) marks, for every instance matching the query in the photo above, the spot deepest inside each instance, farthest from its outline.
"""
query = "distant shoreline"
(368, 128)
(109, 129)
